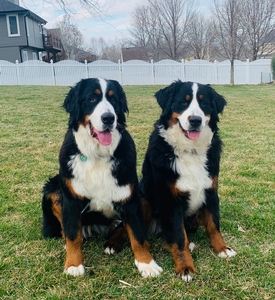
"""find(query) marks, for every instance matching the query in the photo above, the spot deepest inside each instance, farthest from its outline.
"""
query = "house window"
(25, 56)
(13, 26)
(34, 56)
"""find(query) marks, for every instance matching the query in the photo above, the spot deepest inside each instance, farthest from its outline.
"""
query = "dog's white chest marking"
(93, 179)
(193, 178)
(190, 164)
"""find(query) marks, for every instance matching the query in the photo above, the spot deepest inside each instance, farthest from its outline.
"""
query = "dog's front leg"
(177, 241)
(71, 223)
(137, 233)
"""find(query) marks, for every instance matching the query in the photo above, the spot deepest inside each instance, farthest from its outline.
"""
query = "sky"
(113, 23)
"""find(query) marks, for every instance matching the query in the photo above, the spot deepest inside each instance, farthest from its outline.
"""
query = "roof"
(8, 7)
(132, 53)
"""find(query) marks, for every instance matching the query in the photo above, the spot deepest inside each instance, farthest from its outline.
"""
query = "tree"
(162, 26)
(145, 30)
(71, 37)
(229, 31)
(200, 38)
(258, 20)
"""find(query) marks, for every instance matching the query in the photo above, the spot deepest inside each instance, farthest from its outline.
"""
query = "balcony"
(52, 44)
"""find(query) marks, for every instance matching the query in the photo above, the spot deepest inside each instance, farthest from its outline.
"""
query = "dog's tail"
(51, 227)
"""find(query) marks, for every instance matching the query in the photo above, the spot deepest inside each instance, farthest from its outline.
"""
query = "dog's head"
(192, 105)
(99, 105)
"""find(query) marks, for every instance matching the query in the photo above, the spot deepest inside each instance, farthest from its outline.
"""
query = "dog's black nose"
(195, 121)
(108, 118)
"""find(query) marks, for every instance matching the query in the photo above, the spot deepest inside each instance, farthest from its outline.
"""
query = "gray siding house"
(21, 32)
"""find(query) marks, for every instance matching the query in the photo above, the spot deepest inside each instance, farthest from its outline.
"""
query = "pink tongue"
(193, 135)
(104, 137)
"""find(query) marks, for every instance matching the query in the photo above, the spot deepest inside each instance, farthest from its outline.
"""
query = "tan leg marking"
(184, 265)
(216, 239)
(74, 255)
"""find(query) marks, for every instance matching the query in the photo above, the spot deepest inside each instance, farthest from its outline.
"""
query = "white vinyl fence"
(134, 72)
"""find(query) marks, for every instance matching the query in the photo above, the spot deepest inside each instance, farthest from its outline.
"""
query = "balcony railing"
(51, 42)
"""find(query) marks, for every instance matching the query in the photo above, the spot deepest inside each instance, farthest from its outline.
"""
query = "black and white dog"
(97, 180)
(181, 168)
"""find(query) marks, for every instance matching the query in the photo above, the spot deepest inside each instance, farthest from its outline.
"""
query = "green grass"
(32, 129)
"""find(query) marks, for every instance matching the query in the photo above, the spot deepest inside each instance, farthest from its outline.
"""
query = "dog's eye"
(93, 99)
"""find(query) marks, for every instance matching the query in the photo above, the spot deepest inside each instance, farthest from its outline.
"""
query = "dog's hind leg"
(115, 240)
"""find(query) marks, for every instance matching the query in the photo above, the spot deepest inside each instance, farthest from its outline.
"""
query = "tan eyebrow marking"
(111, 93)
(201, 97)
(187, 97)
(98, 91)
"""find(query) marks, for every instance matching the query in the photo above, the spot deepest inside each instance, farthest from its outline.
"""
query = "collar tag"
(83, 158)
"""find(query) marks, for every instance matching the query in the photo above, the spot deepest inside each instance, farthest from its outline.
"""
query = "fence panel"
(104, 69)
(166, 71)
(200, 71)
(8, 73)
(256, 68)
(35, 72)
(69, 72)
(137, 72)
(134, 72)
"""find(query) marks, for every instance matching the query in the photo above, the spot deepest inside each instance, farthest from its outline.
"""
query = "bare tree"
(162, 26)
(230, 33)
(200, 37)
(145, 29)
(71, 37)
(110, 50)
(174, 18)
(258, 19)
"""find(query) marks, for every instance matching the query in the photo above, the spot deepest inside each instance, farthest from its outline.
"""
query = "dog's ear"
(218, 100)
(123, 103)
(164, 97)
(71, 106)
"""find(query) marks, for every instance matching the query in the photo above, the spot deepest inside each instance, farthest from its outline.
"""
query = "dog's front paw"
(186, 274)
(75, 271)
(109, 250)
(148, 270)
(228, 252)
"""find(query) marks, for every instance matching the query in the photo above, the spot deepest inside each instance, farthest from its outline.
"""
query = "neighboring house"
(132, 53)
(21, 33)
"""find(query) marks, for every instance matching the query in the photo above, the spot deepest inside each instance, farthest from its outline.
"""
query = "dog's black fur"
(181, 168)
(97, 180)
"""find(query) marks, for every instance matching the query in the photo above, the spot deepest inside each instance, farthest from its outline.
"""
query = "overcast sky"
(115, 22)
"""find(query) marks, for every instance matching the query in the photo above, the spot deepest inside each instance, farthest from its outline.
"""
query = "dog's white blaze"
(102, 107)
(93, 179)
(193, 110)
(190, 163)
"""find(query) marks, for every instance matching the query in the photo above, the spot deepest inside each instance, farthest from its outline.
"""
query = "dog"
(179, 184)
(97, 183)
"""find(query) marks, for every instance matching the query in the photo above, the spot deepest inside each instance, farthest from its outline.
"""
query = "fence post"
(152, 70)
(17, 72)
(247, 71)
(216, 71)
(86, 68)
(182, 70)
(119, 72)
(52, 68)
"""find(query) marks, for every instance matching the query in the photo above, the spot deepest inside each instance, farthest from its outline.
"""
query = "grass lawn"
(32, 129)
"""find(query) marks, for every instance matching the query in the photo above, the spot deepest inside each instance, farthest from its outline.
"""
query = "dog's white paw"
(191, 247)
(187, 277)
(109, 251)
(148, 270)
(75, 271)
(229, 252)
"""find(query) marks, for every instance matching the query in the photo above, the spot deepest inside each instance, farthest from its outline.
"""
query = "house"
(21, 33)
(132, 53)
